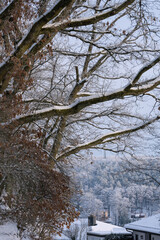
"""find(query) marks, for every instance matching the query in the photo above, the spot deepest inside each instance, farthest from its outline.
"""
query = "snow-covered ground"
(62, 237)
(9, 231)
(79, 228)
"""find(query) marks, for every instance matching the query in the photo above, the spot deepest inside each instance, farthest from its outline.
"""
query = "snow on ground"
(62, 237)
(9, 231)
(78, 228)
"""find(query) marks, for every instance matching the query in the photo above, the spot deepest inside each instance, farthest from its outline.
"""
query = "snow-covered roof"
(149, 224)
(102, 229)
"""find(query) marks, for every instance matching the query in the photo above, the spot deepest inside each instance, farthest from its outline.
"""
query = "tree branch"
(29, 40)
(143, 70)
(4, 14)
(78, 105)
(108, 136)
(90, 20)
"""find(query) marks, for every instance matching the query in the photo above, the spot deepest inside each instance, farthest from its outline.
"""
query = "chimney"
(91, 220)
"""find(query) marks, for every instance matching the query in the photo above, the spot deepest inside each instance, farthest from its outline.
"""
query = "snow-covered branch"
(80, 104)
(90, 20)
(142, 89)
(29, 40)
(7, 12)
(106, 138)
(143, 70)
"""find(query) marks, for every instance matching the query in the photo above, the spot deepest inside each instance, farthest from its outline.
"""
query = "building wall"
(155, 237)
(111, 237)
(139, 235)
(95, 238)
(145, 236)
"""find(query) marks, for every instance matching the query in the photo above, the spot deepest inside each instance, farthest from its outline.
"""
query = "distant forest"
(119, 188)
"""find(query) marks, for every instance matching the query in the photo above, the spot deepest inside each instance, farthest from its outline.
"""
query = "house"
(137, 216)
(103, 231)
(145, 229)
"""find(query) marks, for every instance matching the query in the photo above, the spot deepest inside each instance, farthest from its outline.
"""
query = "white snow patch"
(105, 228)
(62, 237)
(9, 231)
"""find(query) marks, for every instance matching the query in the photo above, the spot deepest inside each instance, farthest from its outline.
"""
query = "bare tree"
(75, 75)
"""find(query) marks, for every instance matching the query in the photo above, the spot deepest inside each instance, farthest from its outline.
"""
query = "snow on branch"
(34, 32)
(84, 94)
(90, 20)
(6, 11)
(73, 108)
(143, 70)
(29, 40)
(80, 104)
(107, 138)
(146, 87)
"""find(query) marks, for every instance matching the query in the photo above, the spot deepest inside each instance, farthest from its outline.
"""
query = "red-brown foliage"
(34, 194)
